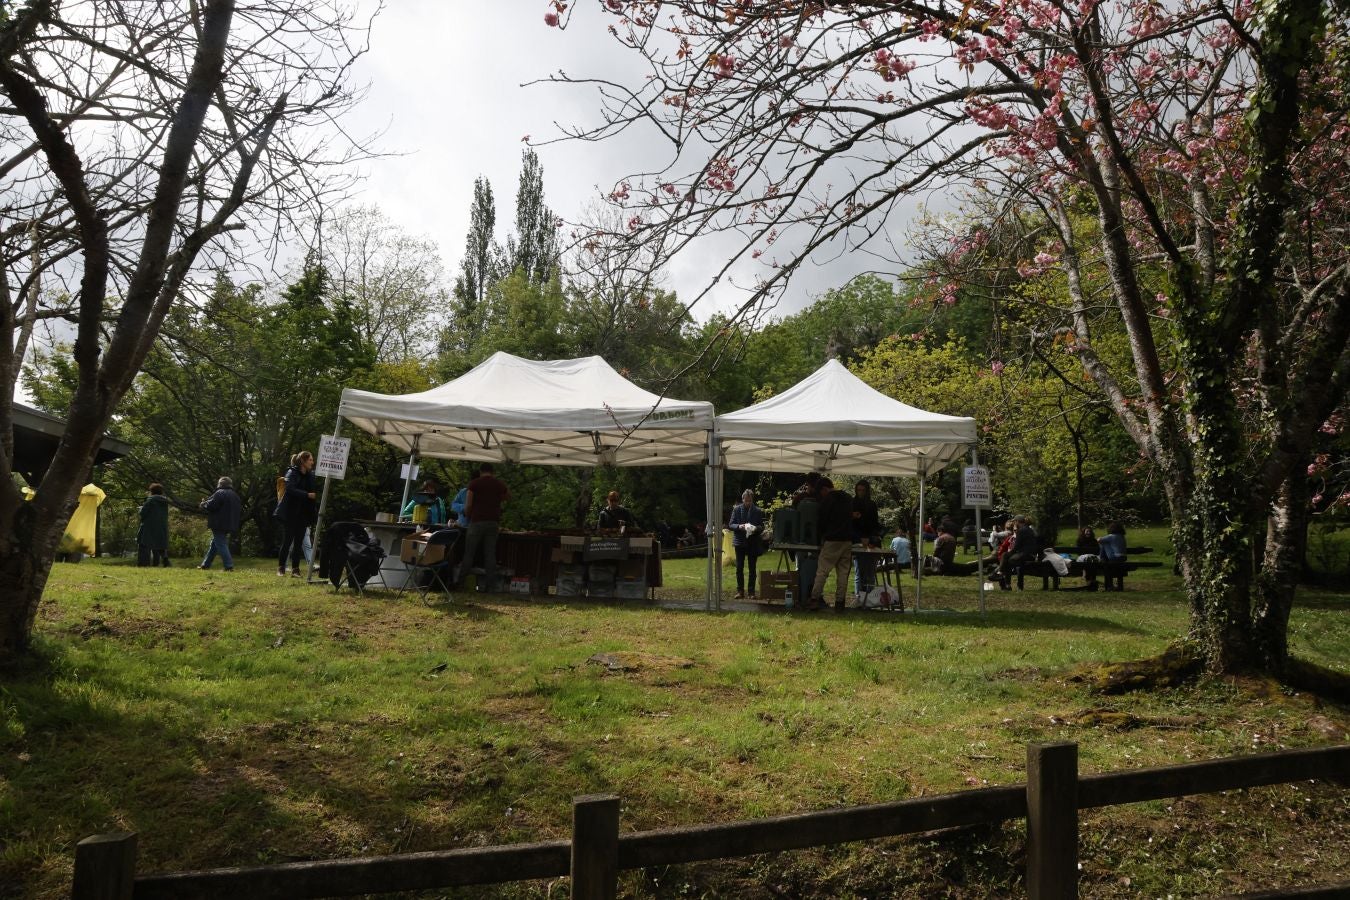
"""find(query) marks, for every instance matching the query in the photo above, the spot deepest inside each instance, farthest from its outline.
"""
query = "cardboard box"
(571, 541)
(407, 549)
(564, 555)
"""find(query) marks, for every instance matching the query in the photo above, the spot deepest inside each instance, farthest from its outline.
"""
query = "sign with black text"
(975, 488)
(332, 461)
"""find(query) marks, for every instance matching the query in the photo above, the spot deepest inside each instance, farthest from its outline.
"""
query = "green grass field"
(244, 719)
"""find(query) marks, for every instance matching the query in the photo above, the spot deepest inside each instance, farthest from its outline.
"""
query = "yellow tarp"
(79, 536)
(83, 525)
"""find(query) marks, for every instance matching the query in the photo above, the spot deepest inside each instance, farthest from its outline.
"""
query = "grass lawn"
(242, 719)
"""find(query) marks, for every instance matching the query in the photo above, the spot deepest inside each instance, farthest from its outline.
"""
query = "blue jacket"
(742, 516)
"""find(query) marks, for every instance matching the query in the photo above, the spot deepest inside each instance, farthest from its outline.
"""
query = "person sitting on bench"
(1023, 549)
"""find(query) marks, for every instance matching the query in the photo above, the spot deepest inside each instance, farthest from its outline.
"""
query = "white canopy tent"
(565, 412)
(568, 412)
(834, 422)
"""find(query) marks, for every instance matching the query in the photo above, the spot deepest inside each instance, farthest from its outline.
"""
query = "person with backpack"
(297, 510)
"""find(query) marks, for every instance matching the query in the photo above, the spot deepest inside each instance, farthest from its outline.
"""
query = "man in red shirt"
(483, 506)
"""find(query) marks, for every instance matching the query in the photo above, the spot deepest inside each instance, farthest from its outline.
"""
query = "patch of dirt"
(633, 661)
(1021, 673)
(1123, 721)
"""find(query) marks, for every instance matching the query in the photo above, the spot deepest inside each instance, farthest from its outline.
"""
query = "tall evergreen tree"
(479, 268)
(534, 247)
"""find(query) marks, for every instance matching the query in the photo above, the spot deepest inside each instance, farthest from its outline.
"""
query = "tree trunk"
(25, 563)
(581, 509)
(1286, 541)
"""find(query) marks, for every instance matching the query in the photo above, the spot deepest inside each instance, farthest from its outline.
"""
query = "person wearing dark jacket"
(296, 511)
(747, 529)
(836, 544)
(866, 531)
(222, 517)
(152, 540)
(1023, 547)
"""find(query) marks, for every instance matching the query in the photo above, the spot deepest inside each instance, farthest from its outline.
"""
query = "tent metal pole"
(323, 507)
(918, 587)
(715, 523)
(709, 473)
(408, 482)
(979, 536)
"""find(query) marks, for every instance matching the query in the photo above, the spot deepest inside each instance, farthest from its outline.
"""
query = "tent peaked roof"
(559, 412)
(834, 421)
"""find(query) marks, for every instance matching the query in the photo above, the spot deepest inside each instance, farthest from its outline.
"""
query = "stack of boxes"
(623, 578)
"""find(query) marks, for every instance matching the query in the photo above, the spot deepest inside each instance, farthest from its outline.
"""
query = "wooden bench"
(1111, 572)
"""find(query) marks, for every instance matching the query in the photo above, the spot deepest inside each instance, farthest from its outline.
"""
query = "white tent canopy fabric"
(833, 421)
(568, 412)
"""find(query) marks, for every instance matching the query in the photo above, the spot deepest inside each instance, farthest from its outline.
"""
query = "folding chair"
(349, 553)
(431, 569)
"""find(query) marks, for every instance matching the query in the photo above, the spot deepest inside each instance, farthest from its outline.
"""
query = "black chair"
(430, 565)
(349, 553)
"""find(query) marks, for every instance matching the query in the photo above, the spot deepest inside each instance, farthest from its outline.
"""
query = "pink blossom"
(996, 367)
(551, 19)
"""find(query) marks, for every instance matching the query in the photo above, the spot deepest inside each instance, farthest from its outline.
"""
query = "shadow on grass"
(84, 750)
(930, 616)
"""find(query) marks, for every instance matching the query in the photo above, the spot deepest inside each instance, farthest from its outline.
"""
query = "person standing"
(866, 531)
(612, 515)
(483, 501)
(222, 517)
(152, 539)
(296, 511)
(747, 529)
(836, 544)
(457, 504)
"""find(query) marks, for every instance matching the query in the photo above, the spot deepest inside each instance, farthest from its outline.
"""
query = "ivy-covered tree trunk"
(1286, 540)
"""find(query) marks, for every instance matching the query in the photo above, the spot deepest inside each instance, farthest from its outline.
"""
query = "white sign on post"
(333, 452)
(975, 488)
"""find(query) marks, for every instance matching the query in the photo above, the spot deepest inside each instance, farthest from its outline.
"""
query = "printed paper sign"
(975, 488)
(333, 456)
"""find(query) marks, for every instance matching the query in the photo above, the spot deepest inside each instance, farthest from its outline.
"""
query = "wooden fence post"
(105, 867)
(1052, 821)
(595, 847)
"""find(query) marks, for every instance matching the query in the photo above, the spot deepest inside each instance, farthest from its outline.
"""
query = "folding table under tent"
(567, 412)
(834, 422)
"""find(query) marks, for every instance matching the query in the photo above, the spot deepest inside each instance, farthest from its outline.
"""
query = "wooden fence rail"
(105, 865)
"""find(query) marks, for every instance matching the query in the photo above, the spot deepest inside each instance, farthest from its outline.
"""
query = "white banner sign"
(975, 488)
(333, 456)
(408, 473)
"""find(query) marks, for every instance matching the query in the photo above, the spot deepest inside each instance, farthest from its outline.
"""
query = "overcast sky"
(446, 86)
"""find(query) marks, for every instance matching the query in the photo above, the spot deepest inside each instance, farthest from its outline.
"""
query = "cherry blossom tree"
(1199, 145)
(133, 138)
